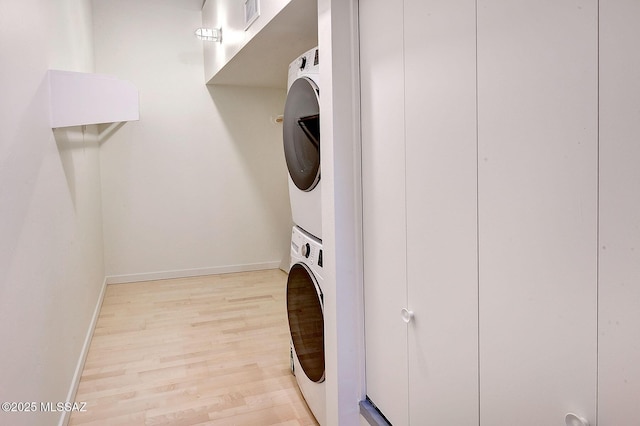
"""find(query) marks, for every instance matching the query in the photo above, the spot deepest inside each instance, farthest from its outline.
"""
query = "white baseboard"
(64, 418)
(185, 273)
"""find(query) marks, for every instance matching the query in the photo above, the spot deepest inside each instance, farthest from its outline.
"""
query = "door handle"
(407, 315)
(575, 420)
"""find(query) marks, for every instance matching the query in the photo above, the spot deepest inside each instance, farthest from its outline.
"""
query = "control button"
(320, 258)
(303, 62)
(306, 250)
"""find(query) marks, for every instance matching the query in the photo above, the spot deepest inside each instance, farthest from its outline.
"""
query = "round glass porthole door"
(301, 133)
(306, 321)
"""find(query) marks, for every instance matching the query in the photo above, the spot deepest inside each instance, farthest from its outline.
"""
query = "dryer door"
(306, 320)
(301, 133)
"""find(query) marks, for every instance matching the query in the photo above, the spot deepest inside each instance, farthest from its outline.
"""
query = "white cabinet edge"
(78, 98)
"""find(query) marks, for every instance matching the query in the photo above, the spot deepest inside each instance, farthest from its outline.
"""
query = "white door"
(537, 197)
(384, 222)
(441, 187)
(419, 193)
(485, 229)
(619, 245)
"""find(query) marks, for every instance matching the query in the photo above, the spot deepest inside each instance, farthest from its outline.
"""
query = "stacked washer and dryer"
(305, 307)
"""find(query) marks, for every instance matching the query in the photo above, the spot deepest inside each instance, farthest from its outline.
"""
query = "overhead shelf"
(78, 99)
(259, 56)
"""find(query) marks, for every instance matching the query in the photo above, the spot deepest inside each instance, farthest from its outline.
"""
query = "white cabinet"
(483, 197)
(419, 192)
(619, 245)
(537, 210)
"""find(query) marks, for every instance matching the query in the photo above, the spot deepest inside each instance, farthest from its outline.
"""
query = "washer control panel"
(307, 63)
(307, 247)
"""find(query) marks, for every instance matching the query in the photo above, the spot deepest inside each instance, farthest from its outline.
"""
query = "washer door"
(301, 133)
(306, 321)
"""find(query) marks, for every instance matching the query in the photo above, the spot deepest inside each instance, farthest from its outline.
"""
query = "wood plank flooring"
(208, 350)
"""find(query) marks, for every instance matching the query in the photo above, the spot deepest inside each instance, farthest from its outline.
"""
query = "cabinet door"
(537, 124)
(441, 185)
(383, 186)
(619, 280)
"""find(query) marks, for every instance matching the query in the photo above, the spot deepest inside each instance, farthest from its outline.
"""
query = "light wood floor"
(195, 351)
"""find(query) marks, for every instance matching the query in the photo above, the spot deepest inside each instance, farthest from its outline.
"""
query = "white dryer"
(301, 137)
(305, 311)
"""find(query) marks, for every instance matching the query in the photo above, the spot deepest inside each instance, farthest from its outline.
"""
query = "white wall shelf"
(78, 99)
(260, 55)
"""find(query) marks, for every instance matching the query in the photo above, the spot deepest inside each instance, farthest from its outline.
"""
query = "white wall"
(198, 185)
(51, 263)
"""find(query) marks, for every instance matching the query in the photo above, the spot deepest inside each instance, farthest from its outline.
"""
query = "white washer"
(305, 311)
(301, 137)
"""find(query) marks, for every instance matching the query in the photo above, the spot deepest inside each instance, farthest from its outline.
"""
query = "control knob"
(306, 250)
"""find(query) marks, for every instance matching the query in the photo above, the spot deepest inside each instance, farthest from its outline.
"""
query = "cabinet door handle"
(407, 315)
(575, 420)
